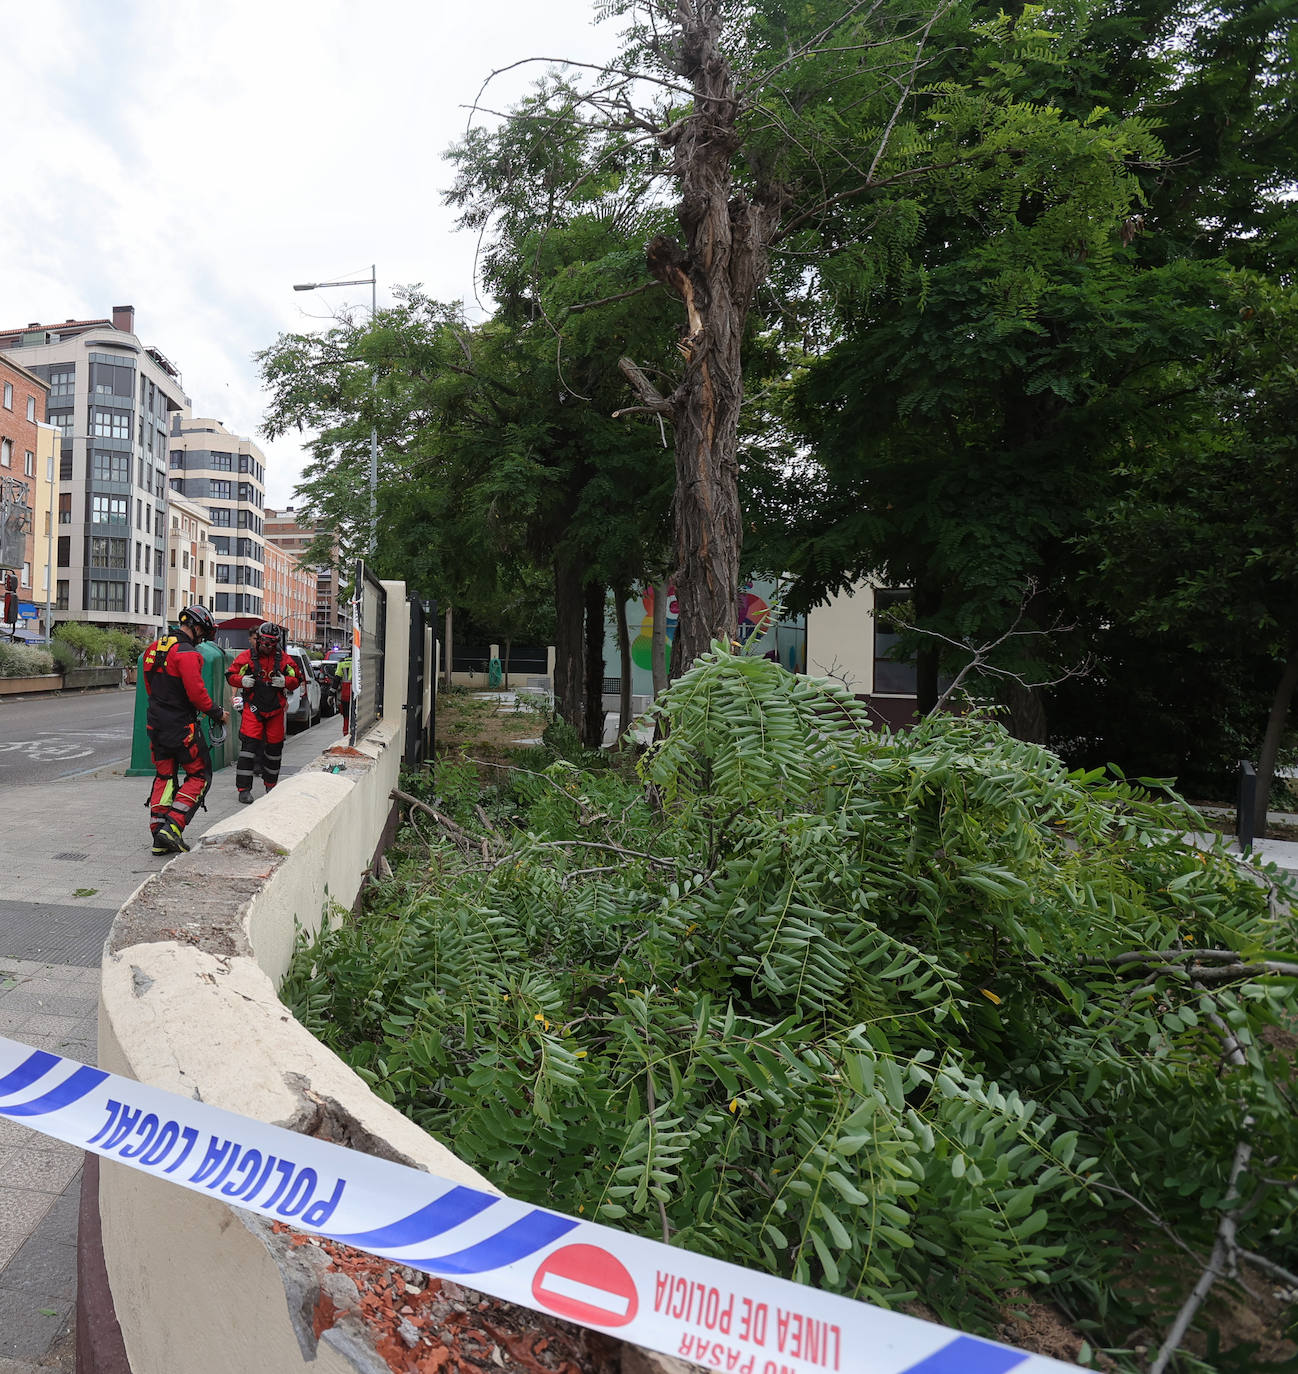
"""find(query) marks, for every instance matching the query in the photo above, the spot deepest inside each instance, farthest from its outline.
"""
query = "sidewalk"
(75, 850)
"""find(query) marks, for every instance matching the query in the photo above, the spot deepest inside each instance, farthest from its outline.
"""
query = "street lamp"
(372, 281)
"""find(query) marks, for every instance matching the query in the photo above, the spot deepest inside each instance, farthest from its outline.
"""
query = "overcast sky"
(195, 158)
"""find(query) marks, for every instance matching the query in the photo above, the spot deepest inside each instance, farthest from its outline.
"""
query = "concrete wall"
(189, 1004)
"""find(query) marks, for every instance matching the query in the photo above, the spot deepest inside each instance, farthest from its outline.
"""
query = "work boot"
(167, 839)
(245, 796)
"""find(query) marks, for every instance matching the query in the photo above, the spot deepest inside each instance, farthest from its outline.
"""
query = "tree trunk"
(621, 597)
(449, 642)
(568, 637)
(927, 603)
(1027, 713)
(1280, 704)
(727, 237)
(658, 642)
(505, 665)
(593, 727)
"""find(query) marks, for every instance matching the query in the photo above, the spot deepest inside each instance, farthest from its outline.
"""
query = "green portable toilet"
(215, 662)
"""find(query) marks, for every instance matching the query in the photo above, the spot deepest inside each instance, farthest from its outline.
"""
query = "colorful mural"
(784, 641)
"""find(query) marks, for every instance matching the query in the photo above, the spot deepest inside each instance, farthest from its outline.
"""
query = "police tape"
(703, 1310)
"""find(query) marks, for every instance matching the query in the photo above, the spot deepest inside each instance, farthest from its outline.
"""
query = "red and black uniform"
(262, 725)
(173, 679)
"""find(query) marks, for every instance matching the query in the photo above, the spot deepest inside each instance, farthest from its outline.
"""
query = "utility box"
(215, 662)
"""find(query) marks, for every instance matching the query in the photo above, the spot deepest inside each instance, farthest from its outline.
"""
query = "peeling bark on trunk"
(568, 638)
(724, 259)
(592, 733)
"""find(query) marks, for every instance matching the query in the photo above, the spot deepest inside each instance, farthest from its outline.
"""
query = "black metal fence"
(370, 612)
(421, 725)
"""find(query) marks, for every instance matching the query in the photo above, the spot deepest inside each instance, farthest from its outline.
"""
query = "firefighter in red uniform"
(266, 675)
(173, 680)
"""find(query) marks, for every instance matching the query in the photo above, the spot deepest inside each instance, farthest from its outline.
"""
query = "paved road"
(74, 850)
(45, 738)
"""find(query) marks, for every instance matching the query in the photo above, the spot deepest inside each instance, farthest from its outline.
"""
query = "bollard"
(1244, 806)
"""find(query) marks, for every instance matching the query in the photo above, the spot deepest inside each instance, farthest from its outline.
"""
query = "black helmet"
(199, 619)
(268, 637)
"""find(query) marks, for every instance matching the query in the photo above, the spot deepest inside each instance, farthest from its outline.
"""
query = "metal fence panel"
(369, 608)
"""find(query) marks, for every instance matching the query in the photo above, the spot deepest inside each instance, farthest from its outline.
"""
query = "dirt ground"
(477, 721)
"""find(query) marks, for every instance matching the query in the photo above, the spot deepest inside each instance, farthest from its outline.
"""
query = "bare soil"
(476, 722)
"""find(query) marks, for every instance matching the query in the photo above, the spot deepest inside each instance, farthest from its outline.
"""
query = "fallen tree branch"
(456, 832)
(1223, 1252)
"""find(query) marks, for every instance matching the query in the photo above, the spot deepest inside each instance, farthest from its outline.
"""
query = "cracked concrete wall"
(188, 1003)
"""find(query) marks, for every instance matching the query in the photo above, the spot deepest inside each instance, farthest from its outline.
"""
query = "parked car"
(326, 675)
(304, 701)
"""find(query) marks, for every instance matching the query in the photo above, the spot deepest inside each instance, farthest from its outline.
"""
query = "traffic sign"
(586, 1284)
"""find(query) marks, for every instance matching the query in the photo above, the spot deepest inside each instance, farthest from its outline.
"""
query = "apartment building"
(330, 623)
(290, 595)
(112, 397)
(191, 572)
(49, 441)
(226, 475)
(22, 412)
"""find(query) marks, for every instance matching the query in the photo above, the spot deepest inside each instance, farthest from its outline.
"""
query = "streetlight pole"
(372, 281)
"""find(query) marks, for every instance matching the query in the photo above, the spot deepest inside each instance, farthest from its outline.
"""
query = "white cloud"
(195, 159)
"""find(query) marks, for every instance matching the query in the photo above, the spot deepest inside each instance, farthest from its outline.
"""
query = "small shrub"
(21, 660)
(125, 649)
(64, 655)
(91, 644)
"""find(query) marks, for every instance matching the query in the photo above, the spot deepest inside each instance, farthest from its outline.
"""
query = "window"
(65, 508)
(173, 558)
(65, 466)
(61, 592)
(31, 409)
(171, 598)
(148, 558)
(110, 467)
(110, 510)
(27, 574)
(110, 424)
(892, 676)
(63, 384)
(222, 491)
(223, 601)
(64, 552)
(200, 567)
(222, 572)
(9, 395)
(62, 418)
(220, 516)
(108, 380)
(108, 553)
(222, 462)
(157, 601)
(138, 547)
(6, 453)
(184, 560)
(137, 598)
(105, 596)
(29, 464)
(177, 459)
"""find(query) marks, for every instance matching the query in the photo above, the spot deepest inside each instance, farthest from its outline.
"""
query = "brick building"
(23, 396)
(290, 595)
(330, 624)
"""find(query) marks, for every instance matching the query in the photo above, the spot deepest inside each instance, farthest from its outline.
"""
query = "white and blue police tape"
(702, 1310)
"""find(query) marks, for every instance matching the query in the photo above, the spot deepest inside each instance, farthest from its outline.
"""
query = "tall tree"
(764, 128)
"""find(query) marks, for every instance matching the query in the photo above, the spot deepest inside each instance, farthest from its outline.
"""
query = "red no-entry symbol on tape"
(586, 1284)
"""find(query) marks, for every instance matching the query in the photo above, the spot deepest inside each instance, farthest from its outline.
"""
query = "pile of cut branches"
(912, 1015)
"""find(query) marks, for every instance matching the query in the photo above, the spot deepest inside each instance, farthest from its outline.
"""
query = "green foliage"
(889, 1014)
(23, 660)
(91, 644)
